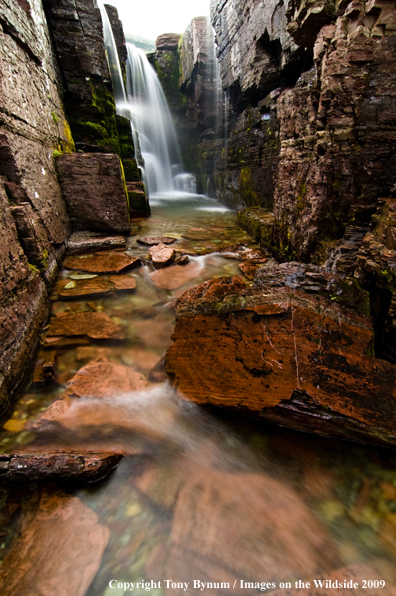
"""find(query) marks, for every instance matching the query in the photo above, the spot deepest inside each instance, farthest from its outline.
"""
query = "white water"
(144, 104)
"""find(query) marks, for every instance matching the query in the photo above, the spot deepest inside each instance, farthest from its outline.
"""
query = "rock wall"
(34, 224)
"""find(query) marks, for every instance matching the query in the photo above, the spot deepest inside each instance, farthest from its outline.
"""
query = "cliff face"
(34, 223)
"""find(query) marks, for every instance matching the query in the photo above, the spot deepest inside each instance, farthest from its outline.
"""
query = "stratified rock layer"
(289, 349)
(94, 190)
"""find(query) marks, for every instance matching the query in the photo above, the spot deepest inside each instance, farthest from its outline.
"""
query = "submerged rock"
(59, 552)
(97, 286)
(102, 263)
(290, 349)
(161, 255)
(91, 324)
(176, 276)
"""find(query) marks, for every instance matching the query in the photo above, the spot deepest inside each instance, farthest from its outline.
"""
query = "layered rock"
(34, 224)
(289, 349)
(94, 192)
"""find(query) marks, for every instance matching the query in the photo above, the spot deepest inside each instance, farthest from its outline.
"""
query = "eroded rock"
(153, 240)
(289, 349)
(83, 242)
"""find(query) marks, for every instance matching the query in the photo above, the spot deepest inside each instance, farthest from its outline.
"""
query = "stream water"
(200, 495)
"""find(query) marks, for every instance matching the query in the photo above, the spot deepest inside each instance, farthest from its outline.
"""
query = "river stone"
(289, 349)
(102, 263)
(102, 379)
(91, 324)
(83, 242)
(161, 255)
(74, 288)
(174, 277)
(123, 282)
(40, 465)
(229, 526)
(59, 552)
(153, 240)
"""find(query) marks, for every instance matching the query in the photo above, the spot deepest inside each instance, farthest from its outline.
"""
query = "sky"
(150, 18)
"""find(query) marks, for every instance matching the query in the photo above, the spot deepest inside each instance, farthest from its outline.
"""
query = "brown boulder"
(78, 288)
(289, 350)
(93, 188)
(59, 552)
(102, 263)
(161, 255)
(91, 324)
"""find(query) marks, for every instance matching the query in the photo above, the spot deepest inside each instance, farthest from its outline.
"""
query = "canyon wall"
(311, 152)
(51, 77)
(34, 221)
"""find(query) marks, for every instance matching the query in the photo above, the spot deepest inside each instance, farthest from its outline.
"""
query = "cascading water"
(145, 105)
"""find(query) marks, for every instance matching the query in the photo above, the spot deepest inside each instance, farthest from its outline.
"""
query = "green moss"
(57, 153)
(55, 117)
(68, 146)
(33, 268)
(246, 188)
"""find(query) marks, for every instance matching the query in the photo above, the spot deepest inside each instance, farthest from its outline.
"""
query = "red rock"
(102, 263)
(123, 282)
(59, 552)
(67, 288)
(102, 379)
(284, 351)
(244, 526)
(92, 324)
(153, 240)
(174, 277)
(161, 255)
(249, 268)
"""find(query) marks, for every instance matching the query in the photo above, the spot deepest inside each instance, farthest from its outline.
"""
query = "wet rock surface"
(58, 465)
(90, 324)
(60, 550)
(97, 286)
(288, 349)
(153, 240)
(102, 263)
(161, 255)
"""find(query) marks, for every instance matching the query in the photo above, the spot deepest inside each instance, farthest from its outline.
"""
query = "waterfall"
(144, 104)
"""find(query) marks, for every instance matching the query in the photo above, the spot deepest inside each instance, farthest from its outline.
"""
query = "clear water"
(203, 495)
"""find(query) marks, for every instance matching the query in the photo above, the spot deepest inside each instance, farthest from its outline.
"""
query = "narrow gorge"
(198, 299)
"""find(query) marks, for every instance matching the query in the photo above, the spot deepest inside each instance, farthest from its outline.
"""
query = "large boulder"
(289, 349)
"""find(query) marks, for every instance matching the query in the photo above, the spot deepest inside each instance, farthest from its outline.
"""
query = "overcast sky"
(150, 18)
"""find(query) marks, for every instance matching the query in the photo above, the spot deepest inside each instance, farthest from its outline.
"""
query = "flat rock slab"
(161, 255)
(84, 242)
(102, 263)
(171, 278)
(58, 464)
(59, 552)
(288, 349)
(225, 546)
(91, 324)
(103, 379)
(153, 240)
(67, 288)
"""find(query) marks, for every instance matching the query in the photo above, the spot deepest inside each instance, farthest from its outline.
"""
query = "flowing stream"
(200, 495)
